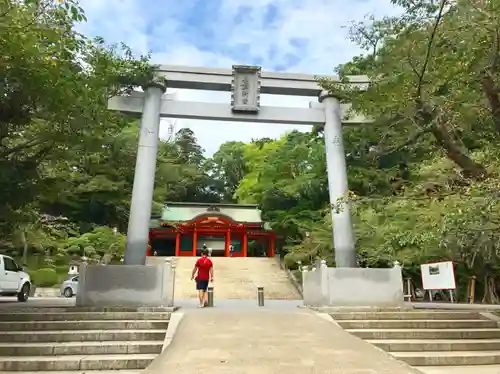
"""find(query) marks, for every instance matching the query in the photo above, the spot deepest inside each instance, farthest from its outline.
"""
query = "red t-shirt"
(203, 265)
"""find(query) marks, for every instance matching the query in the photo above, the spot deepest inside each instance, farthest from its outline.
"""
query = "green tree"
(228, 167)
(54, 91)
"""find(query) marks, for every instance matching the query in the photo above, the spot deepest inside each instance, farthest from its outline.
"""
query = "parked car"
(69, 287)
(14, 281)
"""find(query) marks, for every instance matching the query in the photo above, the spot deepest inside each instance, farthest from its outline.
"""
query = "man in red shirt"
(204, 271)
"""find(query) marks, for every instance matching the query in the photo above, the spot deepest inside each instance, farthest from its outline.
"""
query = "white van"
(14, 281)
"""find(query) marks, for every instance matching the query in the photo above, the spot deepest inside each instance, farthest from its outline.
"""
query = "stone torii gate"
(245, 83)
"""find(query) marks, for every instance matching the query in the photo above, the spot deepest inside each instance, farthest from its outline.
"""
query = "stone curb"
(491, 316)
(173, 324)
(353, 309)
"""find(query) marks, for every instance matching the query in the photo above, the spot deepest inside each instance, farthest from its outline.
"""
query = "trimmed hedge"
(45, 277)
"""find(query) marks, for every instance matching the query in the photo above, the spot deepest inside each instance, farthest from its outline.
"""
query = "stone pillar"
(343, 238)
(144, 177)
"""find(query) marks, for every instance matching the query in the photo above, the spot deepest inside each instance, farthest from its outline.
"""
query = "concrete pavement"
(34, 302)
(269, 342)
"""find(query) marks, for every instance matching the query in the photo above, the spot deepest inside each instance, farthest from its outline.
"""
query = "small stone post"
(260, 296)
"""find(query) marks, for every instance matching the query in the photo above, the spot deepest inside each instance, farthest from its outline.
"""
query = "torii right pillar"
(343, 238)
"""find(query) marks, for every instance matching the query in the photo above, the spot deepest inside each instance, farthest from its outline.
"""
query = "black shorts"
(201, 285)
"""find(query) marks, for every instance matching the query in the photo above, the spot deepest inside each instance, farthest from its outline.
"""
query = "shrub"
(45, 277)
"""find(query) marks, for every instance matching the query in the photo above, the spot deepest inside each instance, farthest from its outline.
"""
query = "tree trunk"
(25, 246)
(490, 293)
(491, 92)
(457, 153)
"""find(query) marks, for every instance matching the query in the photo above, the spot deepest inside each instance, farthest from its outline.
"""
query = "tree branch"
(23, 146)
(412, 139)
(430, 44)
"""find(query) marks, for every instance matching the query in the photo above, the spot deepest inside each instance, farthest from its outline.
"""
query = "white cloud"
(302, 36)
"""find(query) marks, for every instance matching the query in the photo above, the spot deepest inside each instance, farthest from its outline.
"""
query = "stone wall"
(126, 285)
(353, 287)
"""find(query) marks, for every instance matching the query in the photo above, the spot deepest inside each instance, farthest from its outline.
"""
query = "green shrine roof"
(183, 212)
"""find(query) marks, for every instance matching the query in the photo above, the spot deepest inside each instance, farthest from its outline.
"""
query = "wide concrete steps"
(412, 315)
(81, 348)
(483, 369)
(426, 333)
(80, 316)
(83, 325)
(417, 324)
(437, 345)
(457, 358)
(76, 340)
(429, 338)
(76, 362)
(59, 336)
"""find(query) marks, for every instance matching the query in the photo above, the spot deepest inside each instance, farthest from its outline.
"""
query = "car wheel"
(23, 295)
(68, 292)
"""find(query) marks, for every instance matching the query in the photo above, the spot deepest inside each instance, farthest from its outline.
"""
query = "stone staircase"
(430, 340)
(81, 339)
(235, 278)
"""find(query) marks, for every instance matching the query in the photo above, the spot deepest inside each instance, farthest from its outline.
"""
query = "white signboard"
(245, 89)
(438, 276)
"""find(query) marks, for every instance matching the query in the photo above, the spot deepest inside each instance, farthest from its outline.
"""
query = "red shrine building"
(183, 229)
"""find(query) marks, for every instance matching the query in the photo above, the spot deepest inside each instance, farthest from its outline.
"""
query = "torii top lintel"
(213, 79)
(183, 77)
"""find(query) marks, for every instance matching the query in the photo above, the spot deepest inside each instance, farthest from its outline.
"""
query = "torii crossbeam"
(246, 83)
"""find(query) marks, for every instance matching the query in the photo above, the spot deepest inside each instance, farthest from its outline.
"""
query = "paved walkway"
(269, 342)
(238, 305)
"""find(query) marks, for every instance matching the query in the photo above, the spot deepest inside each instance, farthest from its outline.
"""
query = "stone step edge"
(104, 357)
(472, 329)
(80, 343)
(432, 341)
(72, 309)
(43, 314)
(120, 371)
(88, 321)
(434, 321)
(446, 354)
(414, 312)
(98, 331)
(458, 369)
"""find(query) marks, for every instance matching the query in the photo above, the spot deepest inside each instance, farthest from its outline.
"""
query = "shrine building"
(183, 229)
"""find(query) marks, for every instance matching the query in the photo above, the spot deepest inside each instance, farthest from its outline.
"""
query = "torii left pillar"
(144, 176)
(343, 237)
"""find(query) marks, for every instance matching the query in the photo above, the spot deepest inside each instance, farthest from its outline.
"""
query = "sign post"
(438, 276)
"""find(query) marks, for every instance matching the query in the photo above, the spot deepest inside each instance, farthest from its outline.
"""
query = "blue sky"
(302, 36)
